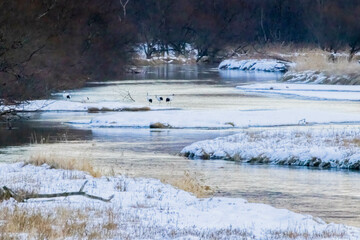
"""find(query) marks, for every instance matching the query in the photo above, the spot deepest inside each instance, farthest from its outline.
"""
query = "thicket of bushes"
(47, 45)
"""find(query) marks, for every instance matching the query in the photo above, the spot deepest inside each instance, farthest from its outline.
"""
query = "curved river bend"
(333, 195)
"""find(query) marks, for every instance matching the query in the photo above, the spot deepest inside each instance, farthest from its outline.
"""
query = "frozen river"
(330, 194)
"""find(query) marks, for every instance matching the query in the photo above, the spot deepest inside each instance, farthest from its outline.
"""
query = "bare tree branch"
(32, 54)
(7, 193)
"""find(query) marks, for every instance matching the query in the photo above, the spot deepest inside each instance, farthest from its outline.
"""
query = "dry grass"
(191, 182)
(306, 58)
(317, 60)
(355, 142)
(95, 110)
(296, 234)
(21, 222)
(127, 109)
(60, 223)
(136, 109)
(66, 163)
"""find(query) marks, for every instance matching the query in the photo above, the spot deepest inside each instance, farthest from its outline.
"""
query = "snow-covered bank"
(326, 148)
(62, 105)
(157, 55)
(218, 118)
(267, 65)
(321, 78)
(149, 209)
(307, 91)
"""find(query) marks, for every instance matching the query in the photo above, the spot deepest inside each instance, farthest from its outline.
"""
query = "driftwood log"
(6, 193)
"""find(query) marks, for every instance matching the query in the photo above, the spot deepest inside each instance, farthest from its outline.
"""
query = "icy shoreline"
(306, 91)
(266, 65)
(74, 106)
(323, 148)
(147, 208)
(319, 77)
(218, 119)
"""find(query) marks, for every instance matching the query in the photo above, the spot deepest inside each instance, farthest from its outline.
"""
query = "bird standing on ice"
(169, 99)
(149, 99)
(159, 98)
(66, 95)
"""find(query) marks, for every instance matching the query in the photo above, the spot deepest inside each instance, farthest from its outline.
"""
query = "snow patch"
(321, 78)
(267, 65)
(218, 118)
(326, 148)
(307, 91)
(149, 209)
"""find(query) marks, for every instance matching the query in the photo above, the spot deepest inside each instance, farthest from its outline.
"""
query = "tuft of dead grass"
(58, 224)
(136, 109)
(318, 60)
(191, 182)
(296, 234)
(66, 163)
(95, 109)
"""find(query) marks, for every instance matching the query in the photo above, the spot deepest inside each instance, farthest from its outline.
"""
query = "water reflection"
(332, 195)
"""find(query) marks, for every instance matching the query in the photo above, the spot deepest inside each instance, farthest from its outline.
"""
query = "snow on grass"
(325, 148)
(308, 91)
(143, 209)
(218, 118)
(62, 105)
(317, 77)
(267, 65)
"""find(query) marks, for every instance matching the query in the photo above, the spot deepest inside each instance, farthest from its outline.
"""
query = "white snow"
(169, 57)
(307, 91)
(318, 77)
(267, 65)
(63, 105)
(219, 118)
(149, 209)
(326, 147)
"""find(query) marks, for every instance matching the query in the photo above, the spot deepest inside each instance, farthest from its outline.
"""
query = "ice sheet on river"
(325, 147)
(307, 91)
(149, 209)
(219, 118)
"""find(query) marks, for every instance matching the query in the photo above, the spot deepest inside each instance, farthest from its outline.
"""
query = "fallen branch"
(6, 193)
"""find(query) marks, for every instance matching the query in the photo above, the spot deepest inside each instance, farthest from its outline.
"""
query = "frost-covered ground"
(325, 147)
(218, 118)
(319, 77)
(146, 209)
(267, 65)
(307, 91)
(75, 106)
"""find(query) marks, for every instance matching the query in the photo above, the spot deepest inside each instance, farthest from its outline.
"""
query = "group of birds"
(150, 98)
(160, 99)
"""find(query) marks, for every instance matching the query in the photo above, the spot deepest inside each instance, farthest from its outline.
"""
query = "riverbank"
(323, 148)
(142, 208)
(310, 65)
